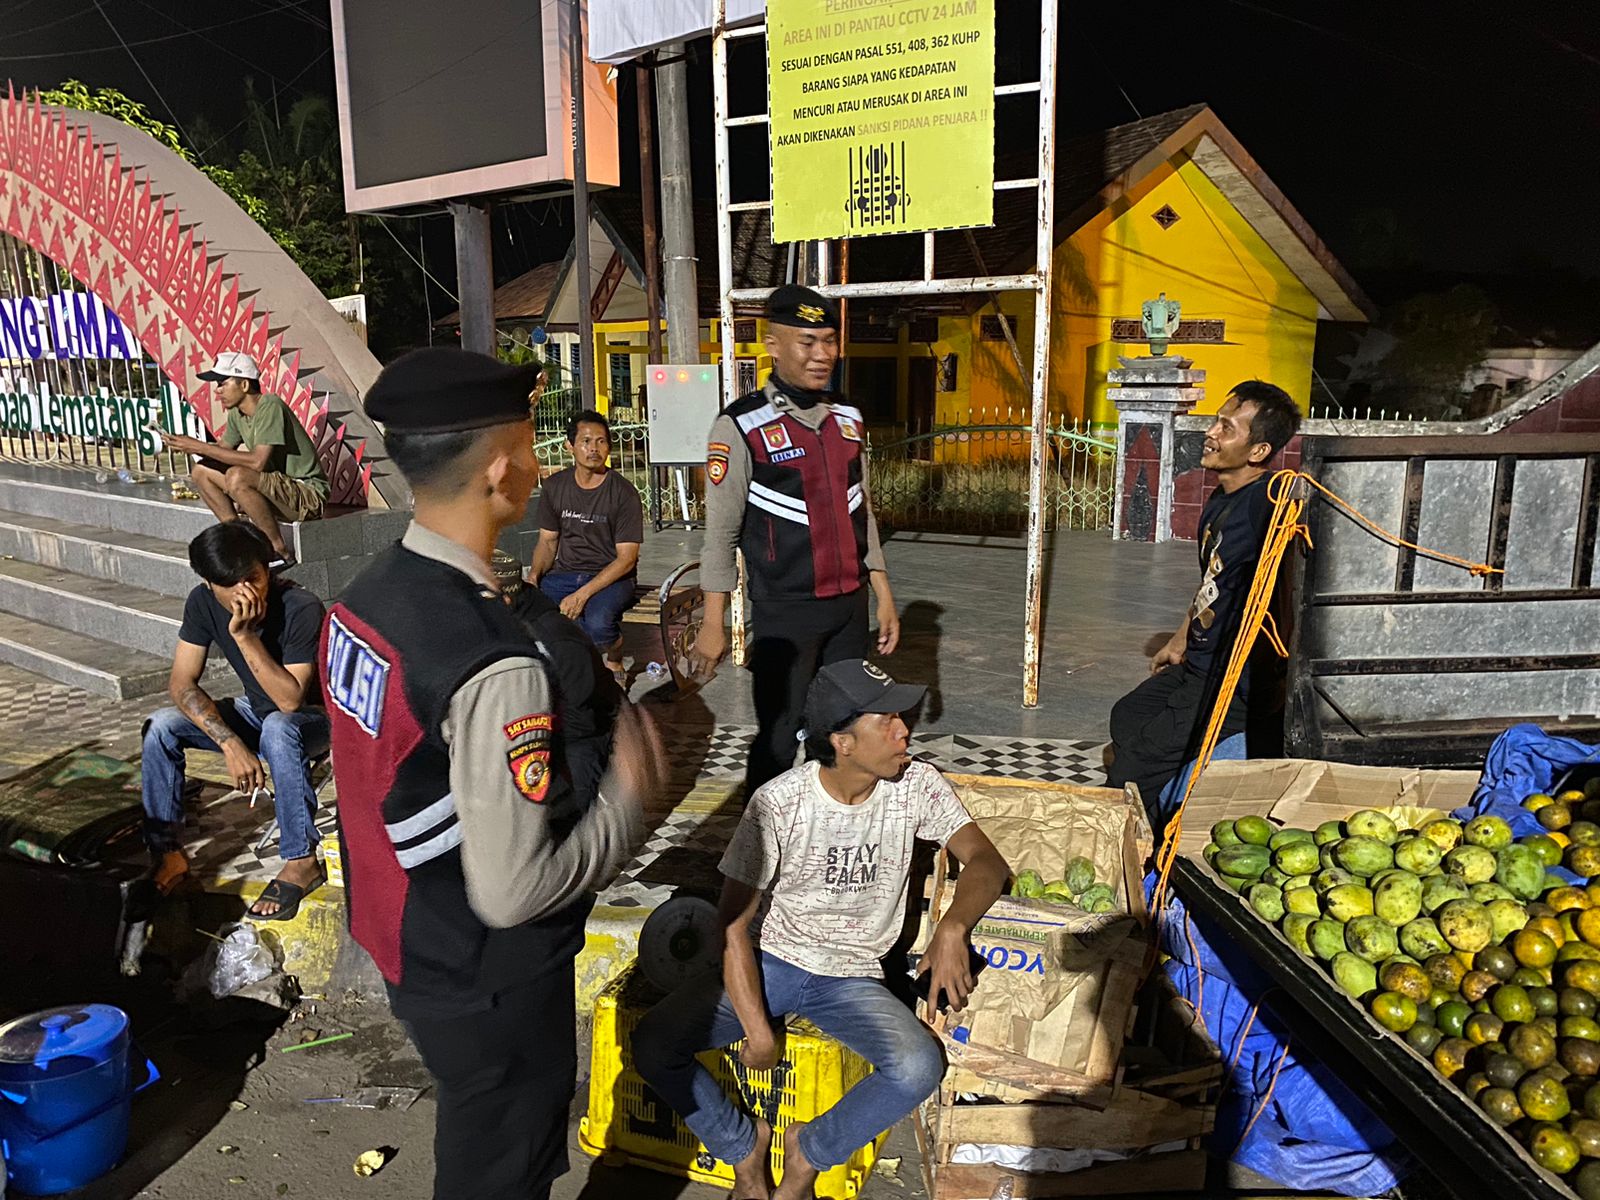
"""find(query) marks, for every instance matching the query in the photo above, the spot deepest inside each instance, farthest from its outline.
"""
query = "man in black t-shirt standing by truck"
(1157, 727)
(591, 526)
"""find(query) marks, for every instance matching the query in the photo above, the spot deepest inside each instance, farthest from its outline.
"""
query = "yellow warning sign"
(881, 117)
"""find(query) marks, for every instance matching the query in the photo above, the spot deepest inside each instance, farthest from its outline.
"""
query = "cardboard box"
(1302, 793)
(1144, 1130)
(1050, 1011)
(1046, 1030)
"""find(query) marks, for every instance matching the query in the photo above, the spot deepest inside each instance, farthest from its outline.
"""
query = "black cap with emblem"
(441, 390)
(843, 691)
(802, 308)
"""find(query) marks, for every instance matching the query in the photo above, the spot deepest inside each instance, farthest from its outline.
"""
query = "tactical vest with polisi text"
(395, 649)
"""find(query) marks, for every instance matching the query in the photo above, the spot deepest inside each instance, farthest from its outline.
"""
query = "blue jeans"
(862, 1013)
(285, 742)
(601, 618)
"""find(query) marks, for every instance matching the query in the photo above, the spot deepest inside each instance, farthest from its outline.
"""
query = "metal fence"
(630, 458)
(974, 479)
(956, 479)
(556, 407)
(1361, 412)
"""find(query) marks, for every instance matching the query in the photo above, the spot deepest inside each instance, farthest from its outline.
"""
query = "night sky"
(1419, 139)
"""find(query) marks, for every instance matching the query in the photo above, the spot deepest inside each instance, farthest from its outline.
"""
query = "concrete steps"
(94, 572)
(96, 666)
(107, 611)
(145, 509)
(134, 559)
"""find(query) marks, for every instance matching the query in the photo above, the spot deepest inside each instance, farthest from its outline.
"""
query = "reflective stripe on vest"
(424, 836)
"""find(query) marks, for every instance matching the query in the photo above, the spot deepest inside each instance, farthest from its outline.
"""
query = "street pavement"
(961, 605)
(233, 1115)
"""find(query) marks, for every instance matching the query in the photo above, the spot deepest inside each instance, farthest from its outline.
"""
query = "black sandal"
(285, 895)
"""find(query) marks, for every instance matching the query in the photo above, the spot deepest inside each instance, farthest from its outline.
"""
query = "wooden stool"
(674, 609)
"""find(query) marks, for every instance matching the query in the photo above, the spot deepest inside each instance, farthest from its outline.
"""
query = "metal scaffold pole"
(1039, 437)
(580, 210)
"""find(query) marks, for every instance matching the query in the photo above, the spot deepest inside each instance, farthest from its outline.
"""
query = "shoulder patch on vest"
(530, 770)
(848, 427)
(358, 677)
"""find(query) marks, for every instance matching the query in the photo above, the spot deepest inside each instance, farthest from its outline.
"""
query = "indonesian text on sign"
(882, 116)
(27, 407)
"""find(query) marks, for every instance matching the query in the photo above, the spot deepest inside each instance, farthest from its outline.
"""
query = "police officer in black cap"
(786, 475)
(472, 849)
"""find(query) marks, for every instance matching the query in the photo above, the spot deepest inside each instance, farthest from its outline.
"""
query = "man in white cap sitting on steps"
(265, 467)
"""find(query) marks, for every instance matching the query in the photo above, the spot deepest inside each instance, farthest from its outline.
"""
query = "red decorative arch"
(73, 200)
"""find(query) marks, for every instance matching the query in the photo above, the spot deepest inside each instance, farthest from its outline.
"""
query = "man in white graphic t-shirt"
(814, 895)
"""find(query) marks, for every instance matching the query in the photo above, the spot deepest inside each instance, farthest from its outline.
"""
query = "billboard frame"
(1038, 281)
(548, 174)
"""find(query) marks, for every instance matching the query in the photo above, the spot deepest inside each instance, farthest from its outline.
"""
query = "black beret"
(802, 308)
(440, 390)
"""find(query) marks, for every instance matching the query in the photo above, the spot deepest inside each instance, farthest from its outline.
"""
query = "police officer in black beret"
(472, 850)
(786, 482)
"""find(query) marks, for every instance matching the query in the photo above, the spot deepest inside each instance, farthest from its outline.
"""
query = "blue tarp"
(1523, 760)
(1312, 1133)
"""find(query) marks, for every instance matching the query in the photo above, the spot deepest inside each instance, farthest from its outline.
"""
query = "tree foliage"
(1441, 337)
(111, 103)
(284, 170)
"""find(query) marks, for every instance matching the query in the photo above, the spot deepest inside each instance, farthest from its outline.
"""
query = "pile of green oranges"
(1494, 977)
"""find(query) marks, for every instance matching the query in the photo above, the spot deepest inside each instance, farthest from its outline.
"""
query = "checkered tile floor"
(224, 836)
(723, 752)
(39, 718)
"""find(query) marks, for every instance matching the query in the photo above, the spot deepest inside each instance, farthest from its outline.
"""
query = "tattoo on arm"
(202, 710)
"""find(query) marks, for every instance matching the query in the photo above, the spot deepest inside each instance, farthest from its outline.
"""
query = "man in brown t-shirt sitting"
(591, 525)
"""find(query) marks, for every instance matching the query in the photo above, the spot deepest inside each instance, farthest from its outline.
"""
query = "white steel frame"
(1037, 281)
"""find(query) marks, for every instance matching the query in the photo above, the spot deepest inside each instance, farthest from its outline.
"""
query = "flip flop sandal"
(285, 895)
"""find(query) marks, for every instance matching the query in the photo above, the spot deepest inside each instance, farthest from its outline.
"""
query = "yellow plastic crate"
(627, 1122)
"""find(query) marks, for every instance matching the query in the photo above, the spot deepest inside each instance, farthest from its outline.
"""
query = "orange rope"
(1266, 1096)
(1238, 1047)
(1284, 527)
(1378, 531)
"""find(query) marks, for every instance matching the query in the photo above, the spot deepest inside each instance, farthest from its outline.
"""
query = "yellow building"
(1172, 203)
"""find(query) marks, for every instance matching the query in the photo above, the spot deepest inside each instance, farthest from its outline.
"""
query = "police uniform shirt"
(728, 490)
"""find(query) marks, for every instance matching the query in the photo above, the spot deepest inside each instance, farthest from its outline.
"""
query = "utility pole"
(474, 274)
(647, 199)
(580, 207)
(677, 208)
